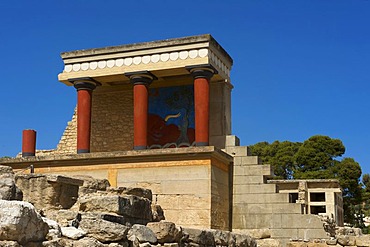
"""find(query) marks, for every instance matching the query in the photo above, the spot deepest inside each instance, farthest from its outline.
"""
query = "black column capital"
(141, 77)
(84, 83)
(202, 71)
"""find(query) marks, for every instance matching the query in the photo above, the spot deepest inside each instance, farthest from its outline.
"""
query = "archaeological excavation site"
(148, 159)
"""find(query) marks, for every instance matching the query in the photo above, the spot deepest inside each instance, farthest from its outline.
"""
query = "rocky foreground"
(54, 211)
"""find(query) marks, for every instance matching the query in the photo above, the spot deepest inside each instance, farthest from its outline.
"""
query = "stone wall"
(68, 141)
(112, 121)
(111, 125)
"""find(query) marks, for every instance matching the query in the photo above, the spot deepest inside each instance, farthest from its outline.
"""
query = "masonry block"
(264, 198)
(248, 180)
(255, 189)
(254, 170)
(301, 221)
(237, 151)
(232, 141)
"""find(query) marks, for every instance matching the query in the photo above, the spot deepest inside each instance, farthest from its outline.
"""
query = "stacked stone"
(68, 141)
(101, 216)
(112, 125)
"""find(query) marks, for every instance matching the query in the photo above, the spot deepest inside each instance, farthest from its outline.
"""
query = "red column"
(84, 97)
(28, 143)
(202, 77)
(141, 82)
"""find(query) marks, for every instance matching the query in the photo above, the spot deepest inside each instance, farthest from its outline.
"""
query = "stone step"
(253, 170)
(248, 179)
(255, 189)
(237, 151)
(274, 208)
(261, 198)
(246, 160)
(232, 141)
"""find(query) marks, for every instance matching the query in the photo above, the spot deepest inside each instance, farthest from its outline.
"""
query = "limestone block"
(255, 233)
(296, 244)
(317, 245)
(244, 240)
(72, 232)
(350, 231)
(171, 245)
(252, 221)
(267, 208)
(9, 244)
(248, 180)
(131, 206)
(157, 213)
(232, 141)
(142, 234)
(222, 238)
(250, 160)
(184, 202)
(20, 222)
(346, 240)
(311, 233)
(102, 230)
(197, 218)
(284, 233)
(54, 229)
(199, 236)
(263, 198)
(268, 243)
(166, 232)
(191, 186)
(237, 151)
(92, 183)
(363, 240)
(255, 188)
(254, 170)
(8, 189)
(332, 241)
(301, 221)
(48, 191)
(136, 191)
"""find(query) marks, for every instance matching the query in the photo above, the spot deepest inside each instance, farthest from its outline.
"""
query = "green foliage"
(280, 155)
(318, 158)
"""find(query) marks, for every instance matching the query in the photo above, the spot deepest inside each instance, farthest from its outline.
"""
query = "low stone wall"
(96, 215)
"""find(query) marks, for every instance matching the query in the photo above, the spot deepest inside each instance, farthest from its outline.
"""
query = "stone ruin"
(54, 211)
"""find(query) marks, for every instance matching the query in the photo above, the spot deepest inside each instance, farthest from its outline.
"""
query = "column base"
(140, 147)
(201, 144)
(26, 154)
(83, 151)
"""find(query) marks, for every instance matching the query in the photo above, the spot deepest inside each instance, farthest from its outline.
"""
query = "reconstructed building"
(158, 115)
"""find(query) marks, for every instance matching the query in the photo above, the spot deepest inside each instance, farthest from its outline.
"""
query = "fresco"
(171, 117)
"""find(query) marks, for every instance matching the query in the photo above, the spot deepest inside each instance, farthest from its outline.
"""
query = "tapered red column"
(141, 82)
(201, 77)
(28, 143)
(84, 97)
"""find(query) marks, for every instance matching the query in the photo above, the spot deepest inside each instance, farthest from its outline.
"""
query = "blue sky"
(301, 67)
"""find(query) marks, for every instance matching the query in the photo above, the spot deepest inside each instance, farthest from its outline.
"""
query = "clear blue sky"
(301, 67)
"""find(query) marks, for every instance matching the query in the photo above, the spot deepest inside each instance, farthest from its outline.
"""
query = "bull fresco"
(171, 117)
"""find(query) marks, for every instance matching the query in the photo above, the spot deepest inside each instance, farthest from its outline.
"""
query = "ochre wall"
(192, 185)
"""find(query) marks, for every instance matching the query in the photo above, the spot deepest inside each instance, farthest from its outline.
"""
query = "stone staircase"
(259, 205)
